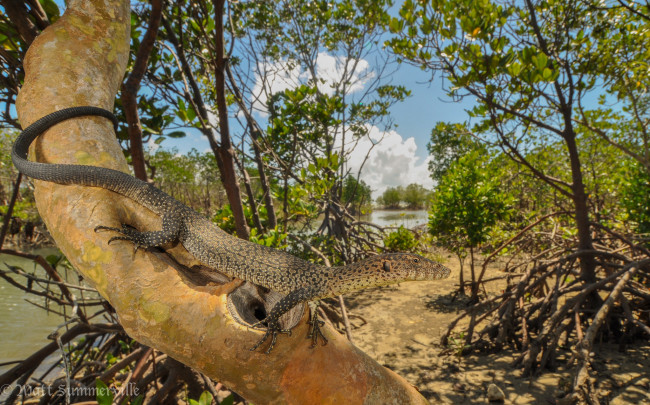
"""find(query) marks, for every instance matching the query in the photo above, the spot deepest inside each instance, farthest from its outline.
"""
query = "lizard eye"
(386, 266)
(416, 260)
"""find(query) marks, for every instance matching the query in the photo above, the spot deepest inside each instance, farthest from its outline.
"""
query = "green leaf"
(104, 394)
(182, 115)
(176, 134)
(514, 69)
(540, 61)
(396, 25)
(205, 399)
(53, 260)
(191, 114)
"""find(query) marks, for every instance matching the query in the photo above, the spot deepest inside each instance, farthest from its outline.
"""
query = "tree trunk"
(255, 133)
(18, 15)
(130, 91)
(461, 280)
(271, 218)
(285, 204)
(252, 203)
(226, 150)
(585, 242)
(474, 287)
(222, 154)
(10, 209)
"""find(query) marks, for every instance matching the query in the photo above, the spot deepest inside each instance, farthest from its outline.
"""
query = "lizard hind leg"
(272, 321)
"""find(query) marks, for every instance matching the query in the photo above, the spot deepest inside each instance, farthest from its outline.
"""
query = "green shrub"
(401, 240)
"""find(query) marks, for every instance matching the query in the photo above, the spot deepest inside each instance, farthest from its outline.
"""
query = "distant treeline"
(413, 196)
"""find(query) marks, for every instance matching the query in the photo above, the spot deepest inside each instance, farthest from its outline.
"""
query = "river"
(409, 219)
(23, 327)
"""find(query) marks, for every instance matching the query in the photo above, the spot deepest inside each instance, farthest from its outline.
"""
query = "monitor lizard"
(300, 280)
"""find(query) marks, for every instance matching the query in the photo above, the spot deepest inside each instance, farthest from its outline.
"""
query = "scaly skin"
(302, 281)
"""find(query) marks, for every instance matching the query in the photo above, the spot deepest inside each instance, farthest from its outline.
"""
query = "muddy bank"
(403, 330)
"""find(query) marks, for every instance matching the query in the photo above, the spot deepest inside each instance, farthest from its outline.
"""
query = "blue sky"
(427, 105)
(400, 158)
(403, 158)
(415, 116)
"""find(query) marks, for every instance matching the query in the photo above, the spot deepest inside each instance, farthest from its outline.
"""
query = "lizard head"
(386, 269)
(396, 267)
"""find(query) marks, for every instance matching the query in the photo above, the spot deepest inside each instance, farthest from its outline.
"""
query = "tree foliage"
(559, 90)
(448, 143)
(467, 205)
(415, 196)
(401, 240)
(357, 194)
(391, 197)
(635, 198)
(554, 163)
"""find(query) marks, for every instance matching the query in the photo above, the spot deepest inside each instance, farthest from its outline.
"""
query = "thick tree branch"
(255, 132)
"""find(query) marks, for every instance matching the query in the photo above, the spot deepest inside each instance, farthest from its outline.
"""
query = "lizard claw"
(136, 246)
(107, 228)
(315, 332)
(272, 331)
(114, 238)
(127, 233)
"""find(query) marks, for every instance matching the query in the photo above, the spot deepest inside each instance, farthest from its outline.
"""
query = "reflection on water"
(23, 326)
(408, 219)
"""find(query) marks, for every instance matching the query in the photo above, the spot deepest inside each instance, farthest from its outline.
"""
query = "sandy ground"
(403, 329)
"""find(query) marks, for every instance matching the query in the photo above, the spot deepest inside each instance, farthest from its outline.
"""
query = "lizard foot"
(272, 331)
(315, 332)
(127, 233)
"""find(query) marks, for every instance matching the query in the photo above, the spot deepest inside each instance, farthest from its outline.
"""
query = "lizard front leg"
(272, 319)
(170, 230)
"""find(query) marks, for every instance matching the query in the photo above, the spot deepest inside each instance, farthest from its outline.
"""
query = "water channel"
(410, 219)
(24, 327)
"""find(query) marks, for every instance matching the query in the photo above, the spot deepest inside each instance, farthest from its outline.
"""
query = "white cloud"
(152, 146)
(279, 76)
(392, 161)
(332, 68)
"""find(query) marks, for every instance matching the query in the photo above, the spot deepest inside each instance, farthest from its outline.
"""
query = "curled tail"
(91, 176)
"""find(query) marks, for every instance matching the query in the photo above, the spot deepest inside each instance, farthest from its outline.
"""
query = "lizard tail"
(91, 176)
